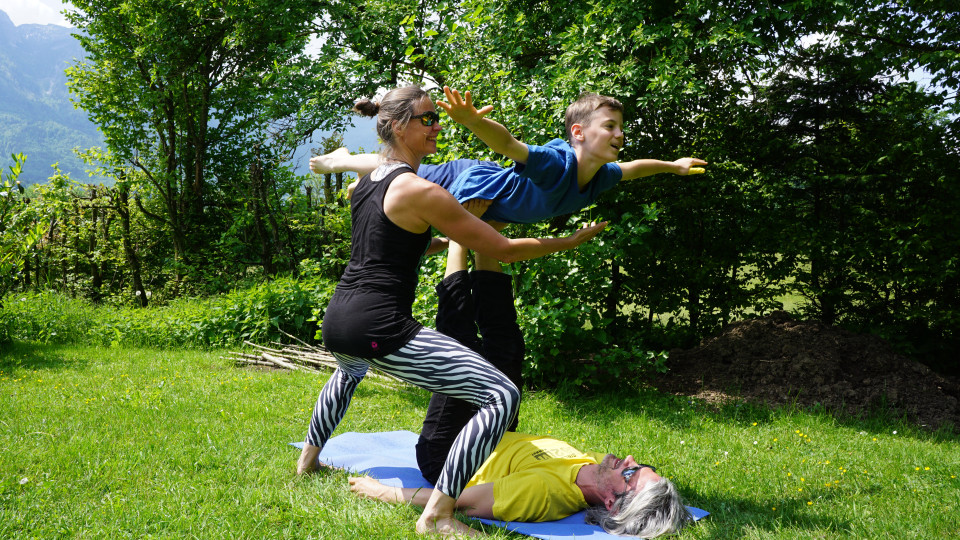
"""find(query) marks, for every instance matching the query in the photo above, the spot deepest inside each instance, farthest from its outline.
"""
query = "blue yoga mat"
(390, 458)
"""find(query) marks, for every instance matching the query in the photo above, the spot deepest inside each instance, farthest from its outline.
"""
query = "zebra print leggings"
(437, 363)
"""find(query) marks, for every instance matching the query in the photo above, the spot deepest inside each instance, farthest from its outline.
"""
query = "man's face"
(613, 480)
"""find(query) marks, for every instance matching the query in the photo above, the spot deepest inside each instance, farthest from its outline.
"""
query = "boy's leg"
(341, 160)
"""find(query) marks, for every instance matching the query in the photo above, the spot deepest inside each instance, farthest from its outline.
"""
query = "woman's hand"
(587, 232)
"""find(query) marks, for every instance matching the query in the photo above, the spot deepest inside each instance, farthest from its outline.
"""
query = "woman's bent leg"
(439, 363)
(331, 405)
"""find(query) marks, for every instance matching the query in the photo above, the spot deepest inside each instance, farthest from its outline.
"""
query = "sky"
(35, 11)
(363, 133)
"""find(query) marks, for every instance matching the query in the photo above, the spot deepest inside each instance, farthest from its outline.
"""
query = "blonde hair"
(397, 105)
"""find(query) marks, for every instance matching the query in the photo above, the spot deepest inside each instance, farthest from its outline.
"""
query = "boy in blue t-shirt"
(545, 181)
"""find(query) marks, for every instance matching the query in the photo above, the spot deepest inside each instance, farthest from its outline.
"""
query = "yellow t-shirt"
(534, 478)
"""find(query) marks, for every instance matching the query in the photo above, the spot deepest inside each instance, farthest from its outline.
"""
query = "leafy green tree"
(863, 169)
(20, 228)
(185, 93)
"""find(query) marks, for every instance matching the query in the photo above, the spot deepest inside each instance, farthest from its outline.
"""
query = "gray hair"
(396, 106)
(654, 510)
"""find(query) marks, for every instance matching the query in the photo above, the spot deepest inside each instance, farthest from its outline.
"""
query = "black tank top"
(371, 312)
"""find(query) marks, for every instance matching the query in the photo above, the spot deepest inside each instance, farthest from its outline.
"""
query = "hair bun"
(367, 107)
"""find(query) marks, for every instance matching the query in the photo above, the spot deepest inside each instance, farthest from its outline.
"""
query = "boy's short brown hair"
(580, 111)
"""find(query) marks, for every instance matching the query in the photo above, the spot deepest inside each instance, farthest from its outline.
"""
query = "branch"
(918, 47)
(302, 357)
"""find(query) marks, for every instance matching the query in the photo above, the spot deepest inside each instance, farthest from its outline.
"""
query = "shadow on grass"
(21, 355)
(684, 412)
(732, 517)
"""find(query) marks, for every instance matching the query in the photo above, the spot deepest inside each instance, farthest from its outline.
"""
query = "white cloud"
(35, 11)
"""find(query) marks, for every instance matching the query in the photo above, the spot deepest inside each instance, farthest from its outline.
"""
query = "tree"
(183, 91)
(20, 229)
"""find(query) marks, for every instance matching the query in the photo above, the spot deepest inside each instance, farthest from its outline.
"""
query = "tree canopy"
(831, 176)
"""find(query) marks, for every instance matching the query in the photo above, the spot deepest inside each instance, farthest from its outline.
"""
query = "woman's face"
(417, 139)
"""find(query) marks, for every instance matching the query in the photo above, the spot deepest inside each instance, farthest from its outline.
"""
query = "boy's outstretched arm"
(639, 168)
(495, 135)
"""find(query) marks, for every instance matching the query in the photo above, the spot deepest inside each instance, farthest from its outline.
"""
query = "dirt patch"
(778, 360)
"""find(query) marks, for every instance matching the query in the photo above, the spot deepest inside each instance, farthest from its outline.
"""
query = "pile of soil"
(777, 360)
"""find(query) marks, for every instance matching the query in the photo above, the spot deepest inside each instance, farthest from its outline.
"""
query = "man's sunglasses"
(428, 118)
(629, 472)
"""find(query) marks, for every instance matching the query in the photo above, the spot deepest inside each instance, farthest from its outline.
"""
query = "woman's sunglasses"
(428, 118)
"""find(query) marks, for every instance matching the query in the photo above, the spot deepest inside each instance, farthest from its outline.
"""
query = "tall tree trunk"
(122, 206)
(258, 198)
(96, 272)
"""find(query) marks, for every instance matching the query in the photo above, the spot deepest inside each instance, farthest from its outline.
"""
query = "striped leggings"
(437, 363)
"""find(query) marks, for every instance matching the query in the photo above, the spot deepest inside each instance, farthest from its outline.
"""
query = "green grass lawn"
(114, 443)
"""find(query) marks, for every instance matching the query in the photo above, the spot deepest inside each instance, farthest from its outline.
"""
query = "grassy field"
(144, 443)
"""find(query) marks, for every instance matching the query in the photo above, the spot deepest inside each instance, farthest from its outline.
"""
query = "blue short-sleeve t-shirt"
(542, 188)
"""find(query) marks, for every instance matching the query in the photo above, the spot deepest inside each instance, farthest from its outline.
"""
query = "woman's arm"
(414, 204)
(437, 245)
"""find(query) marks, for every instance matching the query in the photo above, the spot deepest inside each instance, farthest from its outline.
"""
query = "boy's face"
(602, 136)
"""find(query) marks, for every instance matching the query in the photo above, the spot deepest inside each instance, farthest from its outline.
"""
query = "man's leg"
(496, 317)
(446, 415)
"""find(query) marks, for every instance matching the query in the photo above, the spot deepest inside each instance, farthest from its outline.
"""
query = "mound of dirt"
(778, 360)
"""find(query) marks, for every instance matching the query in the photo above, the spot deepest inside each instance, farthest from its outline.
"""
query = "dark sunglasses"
(428, 118)
(629, 472)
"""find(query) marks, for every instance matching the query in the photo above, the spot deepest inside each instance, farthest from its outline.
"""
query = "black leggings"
(440, 364)
(467, 302)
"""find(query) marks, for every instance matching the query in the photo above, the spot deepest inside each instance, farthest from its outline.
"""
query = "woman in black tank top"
(369, 319)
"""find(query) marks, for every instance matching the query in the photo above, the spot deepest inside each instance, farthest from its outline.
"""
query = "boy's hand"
(461, 109)
(687, 166)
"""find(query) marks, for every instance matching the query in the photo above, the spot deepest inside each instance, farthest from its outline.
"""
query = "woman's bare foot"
(334, 162)
(308, 462)
(437, 518)
(477, 207)
(446, 527)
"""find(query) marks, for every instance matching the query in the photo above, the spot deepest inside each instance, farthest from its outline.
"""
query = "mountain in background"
(37, 118)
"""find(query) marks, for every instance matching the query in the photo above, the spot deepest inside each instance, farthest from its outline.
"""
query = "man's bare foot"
(330, 163)
(308, 462)
(477, 207)
(447, 527)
